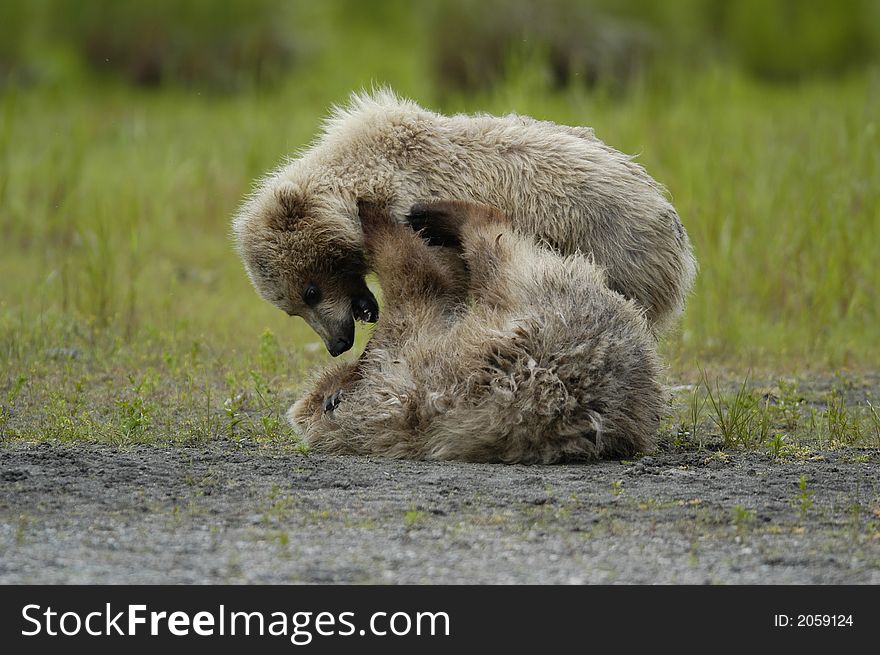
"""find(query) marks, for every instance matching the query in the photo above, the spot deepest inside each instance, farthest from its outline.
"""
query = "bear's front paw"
(436, 222)
(332, 401)
(365, 309)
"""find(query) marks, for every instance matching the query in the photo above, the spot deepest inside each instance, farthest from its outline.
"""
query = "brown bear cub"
(300, 239)
(534, 360)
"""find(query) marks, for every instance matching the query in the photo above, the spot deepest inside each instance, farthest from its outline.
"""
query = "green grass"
(778, 417)
(125, 315)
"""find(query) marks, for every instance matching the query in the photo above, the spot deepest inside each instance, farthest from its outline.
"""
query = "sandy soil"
(244, 512)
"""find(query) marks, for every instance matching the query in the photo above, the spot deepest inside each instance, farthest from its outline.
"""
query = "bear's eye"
(311, 296)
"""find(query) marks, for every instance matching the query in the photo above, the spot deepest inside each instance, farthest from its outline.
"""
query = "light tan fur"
(559, 183)
(535, 360)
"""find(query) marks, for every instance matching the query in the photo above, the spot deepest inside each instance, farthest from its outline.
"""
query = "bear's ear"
(291, 207)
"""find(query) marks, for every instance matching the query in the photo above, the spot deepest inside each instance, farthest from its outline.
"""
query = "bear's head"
(302, 249)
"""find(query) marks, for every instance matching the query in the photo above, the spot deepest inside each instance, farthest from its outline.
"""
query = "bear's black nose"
(339, 346)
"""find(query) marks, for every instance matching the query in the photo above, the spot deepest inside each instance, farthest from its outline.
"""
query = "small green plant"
(789, 404)
(694, 418)
(16, 388)
(60, 421)
(269, 353)
(413, 517)
(777, 445)
(261, 388)
(271, 422)
(804, 496)
(743, 420)
(271, 426)
(741, 516)
(134, 410)
(814, 430)
(841, 429)
(616, 487)
(134, 416)
(232, 408)
(204, 423)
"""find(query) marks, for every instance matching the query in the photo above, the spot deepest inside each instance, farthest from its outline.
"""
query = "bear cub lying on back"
(535, 359)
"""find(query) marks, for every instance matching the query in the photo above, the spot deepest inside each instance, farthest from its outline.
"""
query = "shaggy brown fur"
(559, 183)
(535, 360)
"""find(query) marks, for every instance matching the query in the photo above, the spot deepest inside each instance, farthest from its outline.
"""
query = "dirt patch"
(244, 512)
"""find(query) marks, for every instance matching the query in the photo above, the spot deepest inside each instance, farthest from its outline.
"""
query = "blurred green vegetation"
(130, 131)
(234, 44)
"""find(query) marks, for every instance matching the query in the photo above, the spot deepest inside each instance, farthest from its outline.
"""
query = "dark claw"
(364, 314)
(365, 309)
(332, 401)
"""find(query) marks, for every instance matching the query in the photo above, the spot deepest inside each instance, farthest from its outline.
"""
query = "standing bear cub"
(302, 245)
(535, 359)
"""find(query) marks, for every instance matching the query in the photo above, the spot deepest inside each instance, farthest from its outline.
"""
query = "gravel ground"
(244, 512)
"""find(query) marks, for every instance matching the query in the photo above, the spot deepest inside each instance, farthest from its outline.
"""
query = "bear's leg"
(497, 259)
(440, 223)
(410, 273)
